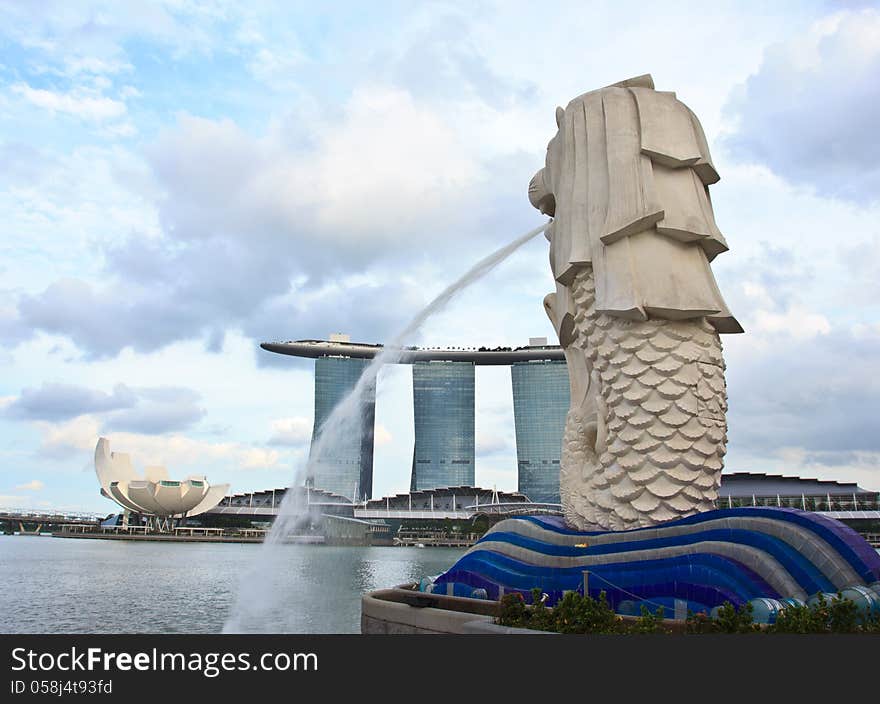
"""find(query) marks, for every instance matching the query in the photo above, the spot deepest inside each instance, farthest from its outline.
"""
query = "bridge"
(513, 508)
(28, 520)
(439, 513)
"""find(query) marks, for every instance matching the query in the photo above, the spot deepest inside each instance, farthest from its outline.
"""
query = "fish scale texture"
(661, 401)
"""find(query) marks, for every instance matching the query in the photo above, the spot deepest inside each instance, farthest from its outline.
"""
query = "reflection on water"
(54, 585)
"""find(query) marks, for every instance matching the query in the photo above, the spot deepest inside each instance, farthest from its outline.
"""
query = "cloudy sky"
(181, 180)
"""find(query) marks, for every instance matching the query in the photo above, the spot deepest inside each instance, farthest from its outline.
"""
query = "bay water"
(62, 585)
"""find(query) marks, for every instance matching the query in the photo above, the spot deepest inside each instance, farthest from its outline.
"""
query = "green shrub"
(733, 620)
(801, 619)
(844, 615)
(541, 617)
(839, 615)
(576, 613)
(649, 622)
(871, 623)
(572, 614)
(513, 611)
(700, 622)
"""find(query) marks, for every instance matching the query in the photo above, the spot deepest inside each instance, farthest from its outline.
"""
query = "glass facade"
(347, 469)
(540, 404)
(443, 400)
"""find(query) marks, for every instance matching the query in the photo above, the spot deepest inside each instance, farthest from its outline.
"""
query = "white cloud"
(245, 218)
(276, 67)
(860, 331)
(810, 111)
(182, 451)
(818, 394)
(847, 466)
(93, 108)
(63, 205)
(90, 64)
(101, 83)
(294, 431)
(758, 293)
(796, 322)
(80, 433)
(491, 443)
(390, 164)
(151, 410)
(256, 457)
(93, 39)
(79, 436)
(364, 183)
(120, 129)
(502, 479)
(33, 485)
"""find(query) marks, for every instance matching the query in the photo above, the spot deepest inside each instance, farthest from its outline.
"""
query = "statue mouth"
(540, 195)
(547, 205)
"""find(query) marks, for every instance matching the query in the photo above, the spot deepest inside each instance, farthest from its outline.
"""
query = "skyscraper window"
(347, 467)
(443, 401)
(540, 404)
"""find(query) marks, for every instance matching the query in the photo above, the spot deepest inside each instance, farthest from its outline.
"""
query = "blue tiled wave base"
(735, 555)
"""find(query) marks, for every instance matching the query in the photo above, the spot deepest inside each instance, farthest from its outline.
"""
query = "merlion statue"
(636, 306)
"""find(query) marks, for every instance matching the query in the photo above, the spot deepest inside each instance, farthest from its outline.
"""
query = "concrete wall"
(391, 612)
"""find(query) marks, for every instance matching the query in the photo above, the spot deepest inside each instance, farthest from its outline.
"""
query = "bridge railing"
(820, 503)
(50, 514)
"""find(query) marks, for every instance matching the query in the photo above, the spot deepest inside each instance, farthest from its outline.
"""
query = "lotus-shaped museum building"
(155, 493)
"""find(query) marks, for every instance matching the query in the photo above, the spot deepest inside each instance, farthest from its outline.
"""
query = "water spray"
(254, 604)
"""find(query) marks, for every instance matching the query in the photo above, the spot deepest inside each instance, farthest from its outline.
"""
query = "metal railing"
(52, 515)
(821, 503)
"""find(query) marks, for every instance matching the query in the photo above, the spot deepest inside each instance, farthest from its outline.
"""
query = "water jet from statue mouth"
(255, 602)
